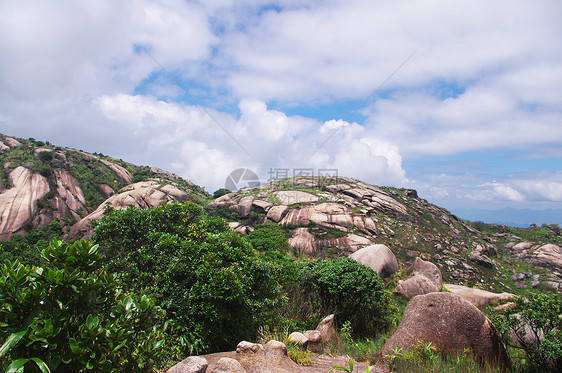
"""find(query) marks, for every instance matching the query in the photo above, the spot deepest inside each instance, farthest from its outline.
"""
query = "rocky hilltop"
(338, 216)
(41, 183)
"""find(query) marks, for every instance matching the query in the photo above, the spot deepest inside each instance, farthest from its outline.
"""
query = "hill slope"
(337, 216)
(41, 183)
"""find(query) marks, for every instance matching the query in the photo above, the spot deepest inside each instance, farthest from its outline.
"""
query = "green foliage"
(67, 316)
(536, 325)
(424, 357)
(225, 213)
(350, 290)
(27, 248)
(348, 369)
(220, 192)
(207, 277)
(269, 236)
(366, 349)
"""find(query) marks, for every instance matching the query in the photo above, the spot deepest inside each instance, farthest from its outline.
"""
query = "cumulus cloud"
(200, 149)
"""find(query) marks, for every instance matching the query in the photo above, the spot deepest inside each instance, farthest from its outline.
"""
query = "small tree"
(535, 325)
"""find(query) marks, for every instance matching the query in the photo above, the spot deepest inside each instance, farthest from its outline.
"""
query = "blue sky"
(459, 100)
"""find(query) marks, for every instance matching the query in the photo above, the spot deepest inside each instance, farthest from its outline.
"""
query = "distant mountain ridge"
(512, 217)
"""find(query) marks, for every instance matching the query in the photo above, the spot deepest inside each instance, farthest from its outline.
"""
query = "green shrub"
(208, 278)
(220, 192)
(269, 236)
(66, 316)
(351, 291)
(536, 324)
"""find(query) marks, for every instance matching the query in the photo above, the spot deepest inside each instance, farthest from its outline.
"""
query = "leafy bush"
(66, 316)
(207, 277)
(535, 325)
(350, 290)
(269, 236)
(220, 192)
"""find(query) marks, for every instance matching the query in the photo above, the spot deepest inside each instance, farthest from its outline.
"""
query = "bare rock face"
(193, 364)
(331, 215)
(307, 243)
(426, 278)
(481, 259)
(378, 257)
(291, 197)
(123, 175)
(18, 204)
(145, 194)
(478, 297)
(548, 256)
(449, 322)
(70, 200)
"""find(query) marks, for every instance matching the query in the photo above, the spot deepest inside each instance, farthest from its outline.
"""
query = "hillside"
(336, 216)
(41, 183)
(44, 187)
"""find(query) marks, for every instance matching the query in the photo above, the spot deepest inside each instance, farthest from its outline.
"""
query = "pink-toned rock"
(548, 256)
(193, 364)
(144, 194)
(276, 213)
(105, 189)
(425, 278)
(3, 147)
(122, 174)
(228, 365)
(449, 322)
(275, 348)
(327, 328)
(326, 214)
(478, 297)
(69, 191)
(18, 204)
(379, 258)
(248, 347)
(244, 206)
(522, 246)
(291, 197)
(11, 142)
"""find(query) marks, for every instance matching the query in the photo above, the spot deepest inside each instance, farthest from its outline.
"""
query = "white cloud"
(200, 150)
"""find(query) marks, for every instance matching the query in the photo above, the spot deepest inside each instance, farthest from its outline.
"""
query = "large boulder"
(478, 297)
(449, 322)
(378, 257)
(193, 364)
(425, 278)
(548, 256)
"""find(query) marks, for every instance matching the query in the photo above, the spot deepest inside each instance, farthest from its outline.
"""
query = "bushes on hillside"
(66, 316)
(535, 325)
(350, 290)
(203, 274)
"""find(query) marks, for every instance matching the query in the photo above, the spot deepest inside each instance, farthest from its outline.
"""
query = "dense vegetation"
(68, 315)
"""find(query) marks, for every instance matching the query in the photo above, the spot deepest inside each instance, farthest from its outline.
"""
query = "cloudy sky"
(460, 100)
